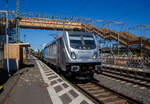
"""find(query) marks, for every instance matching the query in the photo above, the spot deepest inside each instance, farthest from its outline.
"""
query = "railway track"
(140, 81)
(128, 73)
(104, 95)
(101, 94)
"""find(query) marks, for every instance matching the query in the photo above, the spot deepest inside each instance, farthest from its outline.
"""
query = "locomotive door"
(59, 52)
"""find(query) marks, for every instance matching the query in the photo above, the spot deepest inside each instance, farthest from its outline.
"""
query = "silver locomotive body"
(75, 53)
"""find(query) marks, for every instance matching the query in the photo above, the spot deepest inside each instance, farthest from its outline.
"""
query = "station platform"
(141, 70)
(38, 84)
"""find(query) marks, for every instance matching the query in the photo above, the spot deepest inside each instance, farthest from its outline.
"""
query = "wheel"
(98, 71)
(91, 76)
(58, 70)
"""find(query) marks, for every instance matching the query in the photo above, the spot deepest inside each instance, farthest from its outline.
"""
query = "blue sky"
(134, 12)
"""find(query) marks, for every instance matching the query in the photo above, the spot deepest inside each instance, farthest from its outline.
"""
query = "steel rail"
(125, 99)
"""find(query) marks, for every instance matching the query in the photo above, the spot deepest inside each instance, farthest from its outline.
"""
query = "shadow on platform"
(1, 90)
(27, 65)
(4, 76)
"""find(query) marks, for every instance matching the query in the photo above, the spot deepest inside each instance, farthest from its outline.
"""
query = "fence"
(137, 62)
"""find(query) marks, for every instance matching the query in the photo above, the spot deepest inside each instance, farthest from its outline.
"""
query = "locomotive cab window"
(82, 41)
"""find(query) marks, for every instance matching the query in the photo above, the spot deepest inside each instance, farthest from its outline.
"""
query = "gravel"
(135, 91)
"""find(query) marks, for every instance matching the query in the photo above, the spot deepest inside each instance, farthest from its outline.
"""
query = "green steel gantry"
(17, 22)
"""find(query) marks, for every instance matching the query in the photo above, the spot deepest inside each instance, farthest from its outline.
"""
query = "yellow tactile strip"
(1, 87)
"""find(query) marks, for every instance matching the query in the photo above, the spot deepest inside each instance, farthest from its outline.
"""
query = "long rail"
(104, 95)
(140, 81)
(100, 94)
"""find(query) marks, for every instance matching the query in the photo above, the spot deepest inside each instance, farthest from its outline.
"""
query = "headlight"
(73, 55)
(94, 56)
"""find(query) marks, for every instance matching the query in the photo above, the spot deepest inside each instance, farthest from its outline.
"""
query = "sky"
(130, 12)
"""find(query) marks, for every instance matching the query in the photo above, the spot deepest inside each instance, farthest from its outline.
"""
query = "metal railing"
(134, 62)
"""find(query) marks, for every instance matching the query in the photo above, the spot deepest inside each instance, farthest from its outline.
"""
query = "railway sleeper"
(102, 91)
(104, 94)
(91, 88)
(97, 91)
(109, 99)
(121, 101)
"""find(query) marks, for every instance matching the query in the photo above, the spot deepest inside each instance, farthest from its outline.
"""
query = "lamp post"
(98, 21)
(146, 28)
(24, 37)
(7, 40)
(118, 35)
(141, 46)
(17, 23)
(110, 40)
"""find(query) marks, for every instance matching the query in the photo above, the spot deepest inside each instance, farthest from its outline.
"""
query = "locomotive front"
(84, 54)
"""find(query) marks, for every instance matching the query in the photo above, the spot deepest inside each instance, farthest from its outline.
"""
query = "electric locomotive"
(74, 53)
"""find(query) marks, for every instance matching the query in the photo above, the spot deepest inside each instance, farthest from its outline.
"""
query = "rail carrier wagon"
(74, 53)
